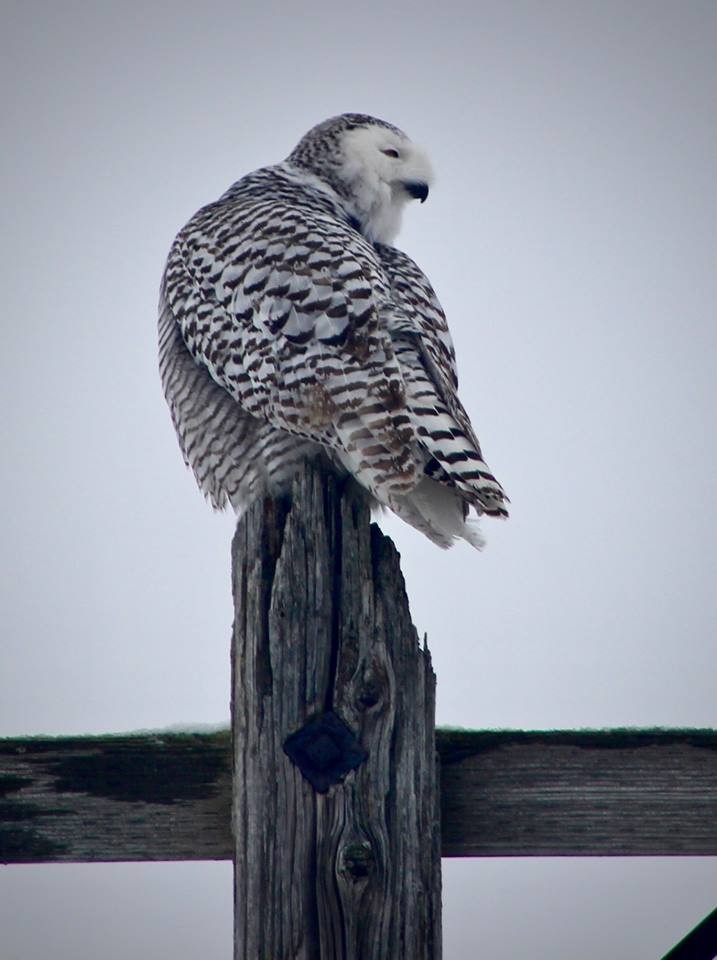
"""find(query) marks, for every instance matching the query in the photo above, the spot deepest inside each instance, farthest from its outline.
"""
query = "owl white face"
(383, 171)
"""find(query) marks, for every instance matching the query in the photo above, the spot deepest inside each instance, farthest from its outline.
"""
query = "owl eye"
(390, 152)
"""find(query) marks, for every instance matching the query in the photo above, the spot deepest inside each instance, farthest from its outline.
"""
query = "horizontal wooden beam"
(151, 796)
(167, 796)
(563, 793)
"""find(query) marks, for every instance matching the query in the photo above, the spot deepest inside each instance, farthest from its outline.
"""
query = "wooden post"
(335, 806)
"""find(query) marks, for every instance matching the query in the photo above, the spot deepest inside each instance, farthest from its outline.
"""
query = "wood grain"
(563, 793)
(81, 799)
(322, 625)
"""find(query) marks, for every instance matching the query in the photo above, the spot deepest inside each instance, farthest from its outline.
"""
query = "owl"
(291, 326)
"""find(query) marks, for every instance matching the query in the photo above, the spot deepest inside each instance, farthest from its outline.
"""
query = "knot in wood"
(357, 860)
(370, 692)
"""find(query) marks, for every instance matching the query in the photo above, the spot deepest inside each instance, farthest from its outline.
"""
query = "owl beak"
(419, 191)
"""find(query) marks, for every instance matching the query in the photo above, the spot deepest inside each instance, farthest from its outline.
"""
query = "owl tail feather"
(439, 512)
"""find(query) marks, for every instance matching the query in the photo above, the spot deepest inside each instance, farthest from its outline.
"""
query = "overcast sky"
(571, 236)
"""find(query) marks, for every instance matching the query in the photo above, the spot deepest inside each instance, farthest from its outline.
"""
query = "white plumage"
(289, 325)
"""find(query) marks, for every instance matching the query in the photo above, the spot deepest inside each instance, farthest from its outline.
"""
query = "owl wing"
(285, 307)
(424, 349)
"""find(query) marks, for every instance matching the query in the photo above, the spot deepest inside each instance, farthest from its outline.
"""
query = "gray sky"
(571, 238)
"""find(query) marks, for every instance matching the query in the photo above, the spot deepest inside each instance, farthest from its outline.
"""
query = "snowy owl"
(290, 324)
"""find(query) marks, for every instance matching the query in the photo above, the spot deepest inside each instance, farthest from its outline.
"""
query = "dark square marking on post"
(324, 750)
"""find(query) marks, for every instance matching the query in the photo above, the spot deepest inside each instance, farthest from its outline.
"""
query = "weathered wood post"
(337, 851)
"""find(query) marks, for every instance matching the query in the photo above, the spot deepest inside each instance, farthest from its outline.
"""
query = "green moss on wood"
(454, 745)
(11, 811)
(146, 768)
(13, 784)
(151, 773)
(25, 845)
